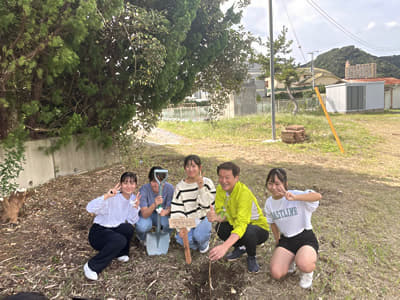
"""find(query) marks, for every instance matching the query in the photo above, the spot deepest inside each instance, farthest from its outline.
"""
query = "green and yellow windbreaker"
(240, 208)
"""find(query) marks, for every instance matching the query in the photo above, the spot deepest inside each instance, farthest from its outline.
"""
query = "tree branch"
(38, 129)
(20, 32)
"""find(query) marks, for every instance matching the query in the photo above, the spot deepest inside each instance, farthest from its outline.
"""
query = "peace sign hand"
(200, 181)
(290, 196)
(281, 190)
(112, 192)
(137, 200)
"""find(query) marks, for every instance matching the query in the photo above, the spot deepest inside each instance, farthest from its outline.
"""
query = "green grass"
(254, 129)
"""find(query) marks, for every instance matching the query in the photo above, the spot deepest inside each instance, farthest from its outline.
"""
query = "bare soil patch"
(216, 281)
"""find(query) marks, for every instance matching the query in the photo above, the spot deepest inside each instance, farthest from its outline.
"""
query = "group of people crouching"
(240, 222)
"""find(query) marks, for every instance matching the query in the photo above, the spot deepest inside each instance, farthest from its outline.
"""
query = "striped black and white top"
(191, 202)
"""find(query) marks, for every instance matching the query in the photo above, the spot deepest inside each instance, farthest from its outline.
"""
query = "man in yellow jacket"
(240, 221)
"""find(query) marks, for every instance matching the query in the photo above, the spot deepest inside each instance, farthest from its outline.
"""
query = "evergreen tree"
(284, 65)
(90, 67)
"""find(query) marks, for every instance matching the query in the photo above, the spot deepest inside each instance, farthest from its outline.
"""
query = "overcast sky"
(371, 25)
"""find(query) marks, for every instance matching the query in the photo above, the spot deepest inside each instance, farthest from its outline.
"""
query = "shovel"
(157, 243)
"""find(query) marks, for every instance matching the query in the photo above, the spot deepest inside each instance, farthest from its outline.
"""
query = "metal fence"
(281, 105)
(200, 113)
(197, 113)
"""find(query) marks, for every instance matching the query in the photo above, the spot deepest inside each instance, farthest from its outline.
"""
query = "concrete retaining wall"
(245, 101)
(39, 167)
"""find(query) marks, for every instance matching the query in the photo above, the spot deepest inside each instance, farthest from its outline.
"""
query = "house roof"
(387, 80)
(318, 73)
(316, 70)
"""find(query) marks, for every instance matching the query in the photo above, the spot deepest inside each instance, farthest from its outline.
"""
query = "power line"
(346, 31)
(335, 23)
(294, 32)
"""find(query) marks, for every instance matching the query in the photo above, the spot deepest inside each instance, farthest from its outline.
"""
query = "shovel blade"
(157, 243)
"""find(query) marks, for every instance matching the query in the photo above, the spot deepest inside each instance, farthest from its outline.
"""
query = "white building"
(355, 97)
(392, 90)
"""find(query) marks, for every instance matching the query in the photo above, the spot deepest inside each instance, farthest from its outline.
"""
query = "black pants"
(253, 236)
(110, 242)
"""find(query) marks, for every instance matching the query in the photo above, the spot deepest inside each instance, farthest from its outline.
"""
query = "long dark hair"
(279, 173)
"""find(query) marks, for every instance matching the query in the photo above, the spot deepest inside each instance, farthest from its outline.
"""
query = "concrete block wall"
(40, 167)
(245, 101)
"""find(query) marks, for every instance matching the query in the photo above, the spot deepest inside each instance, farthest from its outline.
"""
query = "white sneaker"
(89, 273)
(123, 258)
(205, 249)
(292, 267)
(306, 280)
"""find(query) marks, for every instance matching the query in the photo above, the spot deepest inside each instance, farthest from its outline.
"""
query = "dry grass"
(356, 224)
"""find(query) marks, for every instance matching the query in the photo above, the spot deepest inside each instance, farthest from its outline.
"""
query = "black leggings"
(110, 242)
(253, 236)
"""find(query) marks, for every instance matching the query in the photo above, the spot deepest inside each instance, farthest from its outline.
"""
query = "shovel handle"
(188, 257)
(160, 183)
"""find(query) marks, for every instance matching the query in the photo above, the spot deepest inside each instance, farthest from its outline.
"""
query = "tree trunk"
(296, 105)
(3, 122)
(4, 117)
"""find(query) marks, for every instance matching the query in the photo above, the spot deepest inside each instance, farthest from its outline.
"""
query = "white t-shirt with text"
(291, 217)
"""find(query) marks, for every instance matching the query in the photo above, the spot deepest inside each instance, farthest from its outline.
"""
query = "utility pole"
(272, 71)
(312, 67)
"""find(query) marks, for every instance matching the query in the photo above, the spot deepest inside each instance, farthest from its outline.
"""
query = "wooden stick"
(209, 264)
(188, 257)
(183, 224)
(8, 259)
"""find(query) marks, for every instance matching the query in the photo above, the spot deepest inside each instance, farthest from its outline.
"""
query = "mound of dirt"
(218, 280)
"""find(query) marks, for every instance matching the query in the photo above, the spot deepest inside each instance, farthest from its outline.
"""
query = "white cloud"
(392, 24)
(315, 32)
(371, 25)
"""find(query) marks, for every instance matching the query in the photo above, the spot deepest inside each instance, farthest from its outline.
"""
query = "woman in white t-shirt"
(289, 214)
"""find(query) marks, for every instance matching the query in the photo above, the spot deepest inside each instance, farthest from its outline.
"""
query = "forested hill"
(335, 60)
(394, 59)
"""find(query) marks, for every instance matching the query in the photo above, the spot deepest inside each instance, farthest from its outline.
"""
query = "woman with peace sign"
(116, 211)
(289, 213)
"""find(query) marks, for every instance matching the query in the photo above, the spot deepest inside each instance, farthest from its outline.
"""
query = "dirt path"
(159, 136)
